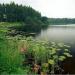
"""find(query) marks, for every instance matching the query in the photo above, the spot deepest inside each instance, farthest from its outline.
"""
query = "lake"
(59, 33)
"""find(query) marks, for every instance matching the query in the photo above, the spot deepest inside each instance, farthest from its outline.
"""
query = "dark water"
(61, 33)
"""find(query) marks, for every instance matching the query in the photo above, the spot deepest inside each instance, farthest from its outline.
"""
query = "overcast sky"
(50, 8)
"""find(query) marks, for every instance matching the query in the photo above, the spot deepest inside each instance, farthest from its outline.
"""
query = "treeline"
(18, 13)
(61, 21)
(32, 19)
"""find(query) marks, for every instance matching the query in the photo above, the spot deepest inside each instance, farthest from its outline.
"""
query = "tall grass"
(10, 56)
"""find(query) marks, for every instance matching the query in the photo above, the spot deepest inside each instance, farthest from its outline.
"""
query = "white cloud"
(50, 8)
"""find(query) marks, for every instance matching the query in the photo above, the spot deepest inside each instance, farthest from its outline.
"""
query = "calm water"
(59, 33)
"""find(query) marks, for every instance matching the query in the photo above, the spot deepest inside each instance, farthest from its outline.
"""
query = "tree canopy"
(14, 12)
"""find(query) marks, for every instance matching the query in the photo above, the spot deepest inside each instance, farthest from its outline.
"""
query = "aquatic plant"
(41, 52)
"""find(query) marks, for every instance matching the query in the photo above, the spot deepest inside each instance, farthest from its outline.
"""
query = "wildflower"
(23, 48)
(36, 68)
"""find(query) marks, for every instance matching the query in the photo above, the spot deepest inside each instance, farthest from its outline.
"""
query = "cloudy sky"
(50, 8)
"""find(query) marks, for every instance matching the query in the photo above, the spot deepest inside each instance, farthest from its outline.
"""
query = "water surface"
(59, 33)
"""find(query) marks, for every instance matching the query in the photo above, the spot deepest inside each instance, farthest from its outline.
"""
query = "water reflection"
(58, 33)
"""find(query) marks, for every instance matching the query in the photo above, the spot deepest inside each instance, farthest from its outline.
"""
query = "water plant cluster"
(44, 56)
(21, 55)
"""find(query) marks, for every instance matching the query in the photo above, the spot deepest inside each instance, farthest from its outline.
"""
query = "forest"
(14, 13)
(30, 18)
(18, 13)
(61, 21)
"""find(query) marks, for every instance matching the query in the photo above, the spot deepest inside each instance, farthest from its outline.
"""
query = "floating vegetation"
(27, 55)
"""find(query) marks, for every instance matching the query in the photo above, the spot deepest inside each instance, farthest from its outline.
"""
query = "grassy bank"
(21, 55)
(4, 26)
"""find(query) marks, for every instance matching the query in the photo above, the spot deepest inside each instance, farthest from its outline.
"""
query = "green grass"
(10, 56)
(4, 26)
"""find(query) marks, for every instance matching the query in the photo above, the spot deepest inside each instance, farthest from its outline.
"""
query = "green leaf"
(51, 61)
(61, 58)
(67, 46)
(67, 54)
(66, 50)
(53, 51)
(61, 44)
